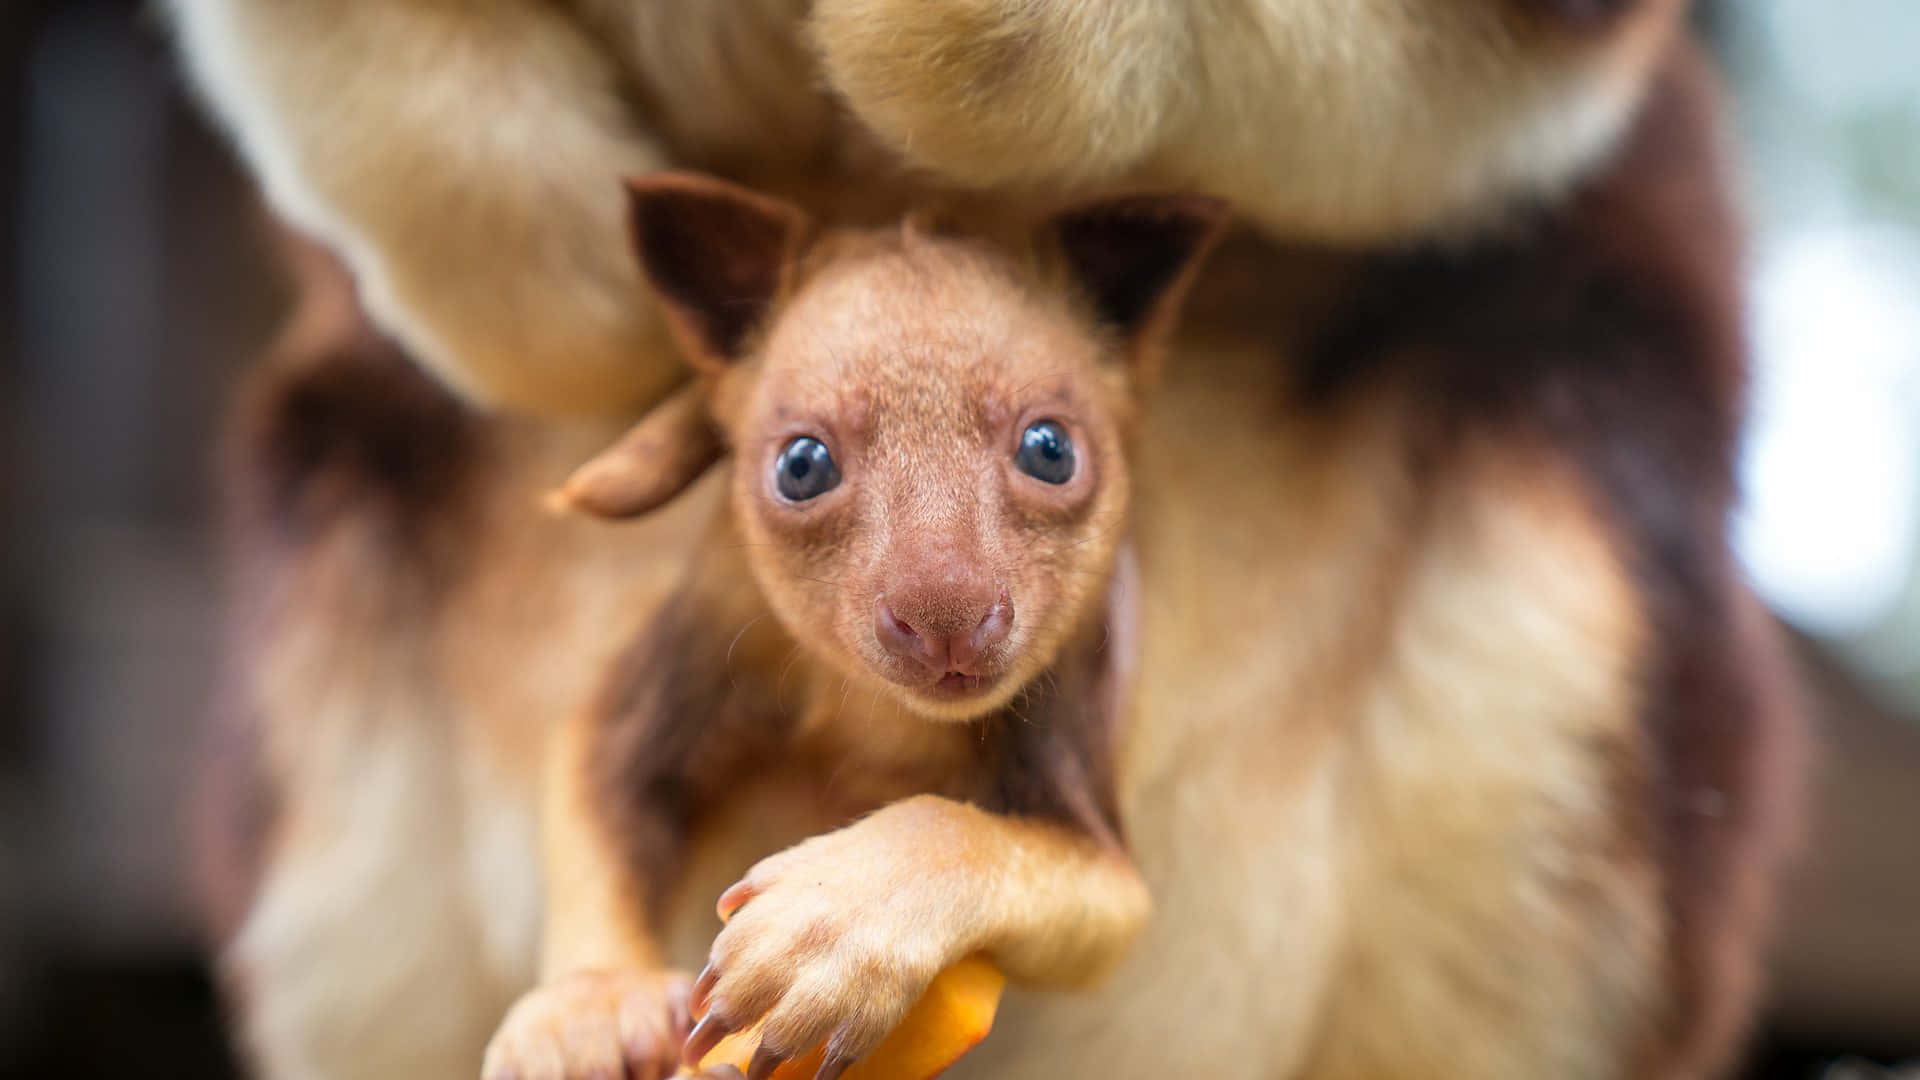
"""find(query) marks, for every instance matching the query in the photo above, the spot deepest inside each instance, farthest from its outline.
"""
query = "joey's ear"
(717, 254)
(657, 459)
(1134, 257)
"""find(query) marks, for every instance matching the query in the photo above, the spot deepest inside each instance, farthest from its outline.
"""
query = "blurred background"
(136, 283)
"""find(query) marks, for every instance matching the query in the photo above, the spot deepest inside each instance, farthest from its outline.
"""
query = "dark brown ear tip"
(1187, 225)
(698, 197)
(716, 255)
(1209, 216)
(644, 188)
(1133, 254)
(689, 188)
(680, 182)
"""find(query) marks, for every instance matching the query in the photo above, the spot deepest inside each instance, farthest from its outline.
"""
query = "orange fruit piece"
(951, 1018)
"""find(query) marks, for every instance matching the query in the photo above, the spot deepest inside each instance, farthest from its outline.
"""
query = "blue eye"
(1046, 453)
(805, 470)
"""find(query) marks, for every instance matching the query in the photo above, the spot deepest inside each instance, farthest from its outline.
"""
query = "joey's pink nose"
(950, 635)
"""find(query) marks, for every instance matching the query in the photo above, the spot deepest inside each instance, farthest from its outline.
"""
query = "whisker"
(1023, 387)
(780, 685)
(1096, 536)
(736, 638)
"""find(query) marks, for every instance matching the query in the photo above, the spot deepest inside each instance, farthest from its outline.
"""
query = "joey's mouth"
(961, 684)
(949, 688)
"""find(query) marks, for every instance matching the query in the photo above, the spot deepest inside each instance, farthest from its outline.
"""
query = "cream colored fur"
(372, 867)
(463, 155)
(1348, 120)
(464, 159)
(400, 910)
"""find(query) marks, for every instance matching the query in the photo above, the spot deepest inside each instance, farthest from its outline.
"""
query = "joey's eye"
(1046, 453)
(805, 470)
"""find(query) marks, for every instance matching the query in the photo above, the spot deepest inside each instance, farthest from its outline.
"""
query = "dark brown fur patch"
(1050, 755)
(1608, 331)
(347, 433)
(357, 428)
(676, 720)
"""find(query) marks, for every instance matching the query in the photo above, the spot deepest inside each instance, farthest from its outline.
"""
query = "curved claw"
(733, 899)
(703, 987)
(703, 1038)
(765, 1060)
(832, 1067)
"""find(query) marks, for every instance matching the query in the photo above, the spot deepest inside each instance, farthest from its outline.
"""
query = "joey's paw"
(824, 947)
(593, 1025)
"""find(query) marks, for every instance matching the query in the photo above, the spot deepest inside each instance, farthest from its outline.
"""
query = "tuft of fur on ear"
(1134, 257)
(718, 255)
(656, 459)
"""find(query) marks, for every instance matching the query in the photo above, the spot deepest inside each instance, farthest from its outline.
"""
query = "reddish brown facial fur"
(880, 389)
(919, 365)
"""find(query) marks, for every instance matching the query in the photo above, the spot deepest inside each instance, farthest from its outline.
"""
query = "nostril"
(994, 625)
(899, 637)
(964, 653)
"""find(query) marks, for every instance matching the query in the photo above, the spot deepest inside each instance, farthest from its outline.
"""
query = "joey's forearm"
(1069, 905)
(604, 1004)
(594, 922)
(836, 937)
(596, 915)
(1051, 904)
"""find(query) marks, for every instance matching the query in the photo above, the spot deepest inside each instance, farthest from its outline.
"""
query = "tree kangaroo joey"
(907, 613)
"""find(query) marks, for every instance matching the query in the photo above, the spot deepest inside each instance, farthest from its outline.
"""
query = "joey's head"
(928, 433)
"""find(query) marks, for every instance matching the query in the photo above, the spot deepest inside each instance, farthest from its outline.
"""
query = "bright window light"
(1832, 465)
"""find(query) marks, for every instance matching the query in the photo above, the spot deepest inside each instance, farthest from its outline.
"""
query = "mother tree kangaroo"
(1455, 746)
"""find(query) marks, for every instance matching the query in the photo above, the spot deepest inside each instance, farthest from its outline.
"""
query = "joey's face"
(929, 471)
